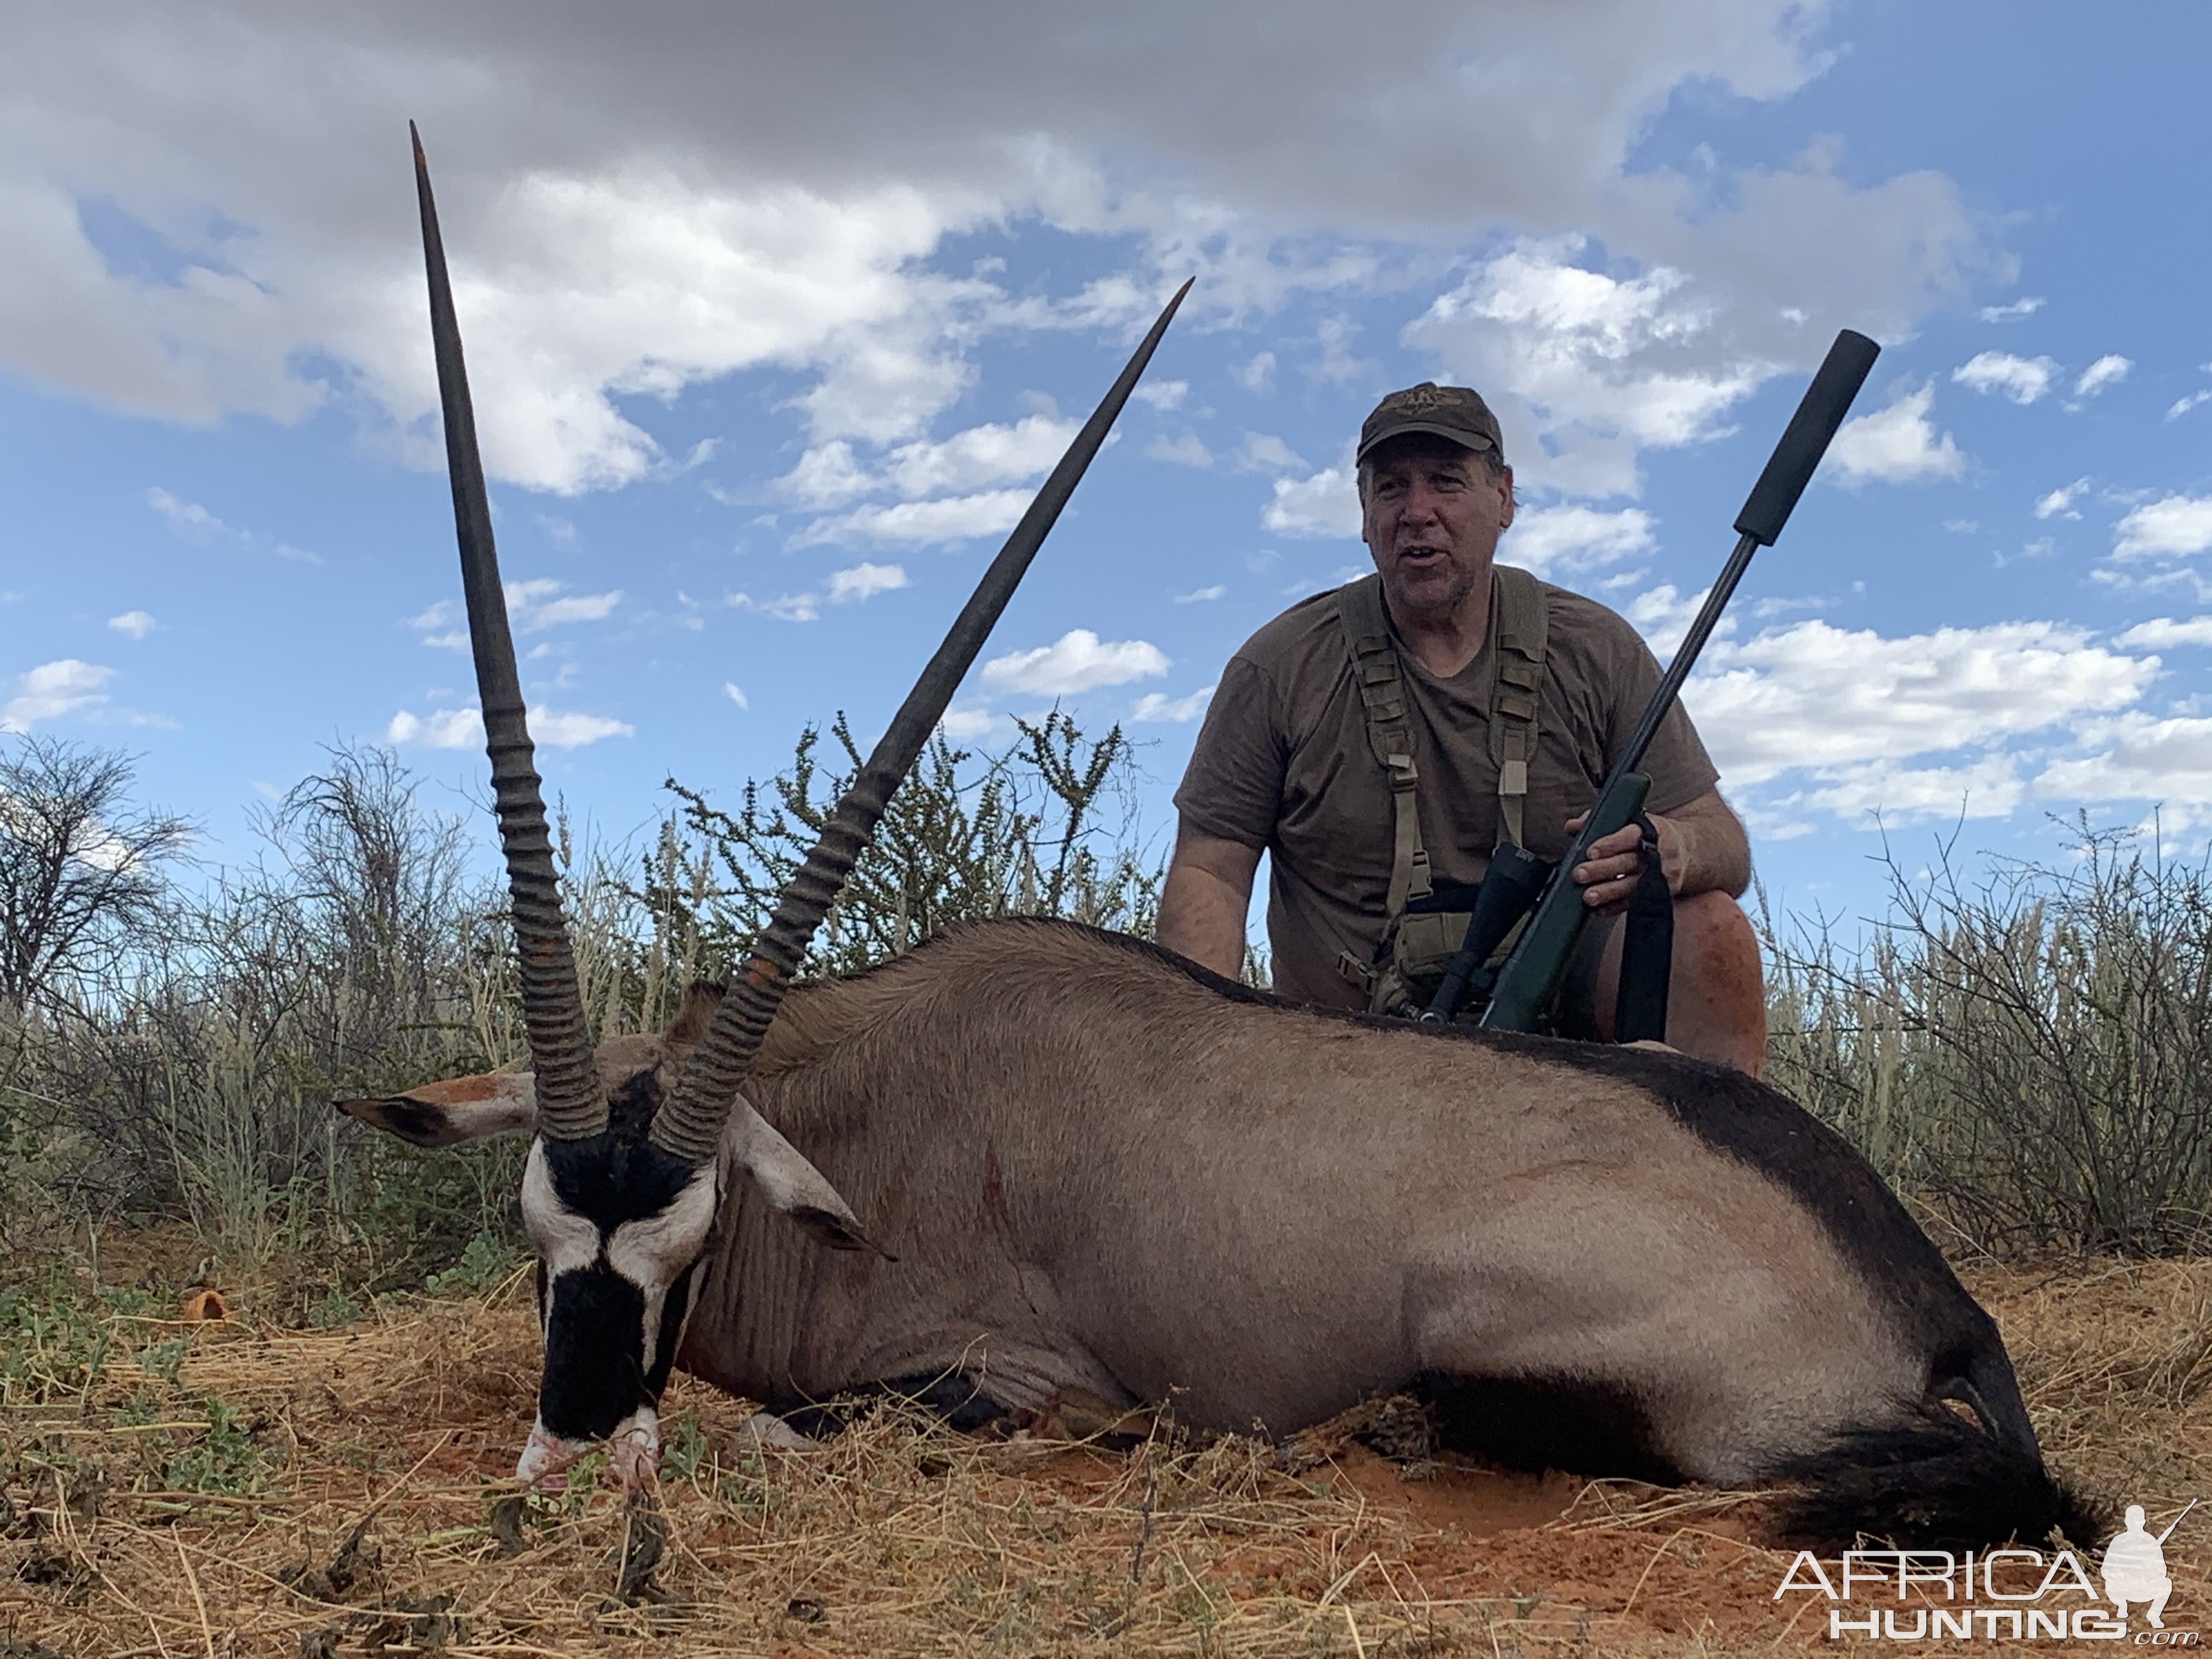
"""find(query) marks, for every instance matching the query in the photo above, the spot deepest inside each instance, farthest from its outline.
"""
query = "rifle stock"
(1537, 961)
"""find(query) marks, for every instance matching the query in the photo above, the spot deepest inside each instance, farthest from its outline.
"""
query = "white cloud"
(1201, 595)
(559, 730)
(826, 476)
(2173, 527)
(1185, 449)
(2027, 306)
(1078, 660)
(2162, 633)
(137, 624)
(1664, 616)
(463, 728)
(1163, 394)
(954, 517)
(52, 690)
(1327, 504)
(1560, 541)
(731, 690)
(968, 725)
(1817, 696)
(1989, 787)
(1156, 705)
(863, 581)
(785, 607)
(2023, 380)
(1263, 451)
(2108, 370)
(1603, 365)
(453, 640)
(2137, 756)
(979, 457)
(1897, 445)
(2060, 499)
(1258, 375)
(188, 519)
(539, 604)
(2183, 405)
(633, 208)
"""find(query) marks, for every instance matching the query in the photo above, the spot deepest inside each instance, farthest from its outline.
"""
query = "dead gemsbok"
(1096, 1170)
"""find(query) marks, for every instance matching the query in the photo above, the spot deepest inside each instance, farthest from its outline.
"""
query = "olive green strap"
(1375, 671)
(1521, 630)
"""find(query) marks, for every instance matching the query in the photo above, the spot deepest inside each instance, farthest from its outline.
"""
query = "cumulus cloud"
(1814, 695)
(1078, 660)
(1325, 504)
(541, 603)
(1184, 449)
(979, 457)
(1896, 445)
(52, 690)
(2137, 756)
(463, 728)
(2163, 633)
(2108, 370)
(638, 202)
(134, 624)
(2181, 406)
(2061, 500)
(1158, 706)
(1599, 365)
(951, 519)
(1561, 541)
(2173, 527)
(863, 581)
(2023, 380)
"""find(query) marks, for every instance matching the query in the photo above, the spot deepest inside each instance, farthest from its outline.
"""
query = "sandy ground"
(235, 1486)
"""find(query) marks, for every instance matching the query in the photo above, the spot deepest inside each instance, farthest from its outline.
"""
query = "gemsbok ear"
(459, 1109)
(790, 1183)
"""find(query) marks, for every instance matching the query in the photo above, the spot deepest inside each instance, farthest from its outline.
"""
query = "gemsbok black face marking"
(622, 1186)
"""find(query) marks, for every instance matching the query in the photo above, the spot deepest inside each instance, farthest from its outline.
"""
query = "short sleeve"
(1233, 787)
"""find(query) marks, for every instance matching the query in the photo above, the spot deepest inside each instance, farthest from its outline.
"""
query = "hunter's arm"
(1205, 900)
(1702, 848)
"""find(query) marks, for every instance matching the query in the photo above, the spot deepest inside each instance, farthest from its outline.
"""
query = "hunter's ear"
(460, 1108)
(701, 997)
(791, 1184)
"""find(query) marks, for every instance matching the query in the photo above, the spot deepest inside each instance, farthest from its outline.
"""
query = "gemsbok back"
(1091, 1170)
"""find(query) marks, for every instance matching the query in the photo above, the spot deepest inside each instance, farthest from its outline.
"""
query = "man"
(1380, 741)
(2135, 1569)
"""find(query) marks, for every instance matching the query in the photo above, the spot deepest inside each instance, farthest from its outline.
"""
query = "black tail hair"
(1935, 1481)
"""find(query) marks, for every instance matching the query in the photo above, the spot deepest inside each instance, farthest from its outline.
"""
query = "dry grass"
(267, 1491)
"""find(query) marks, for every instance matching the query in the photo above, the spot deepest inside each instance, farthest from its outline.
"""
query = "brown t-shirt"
(1282, 763)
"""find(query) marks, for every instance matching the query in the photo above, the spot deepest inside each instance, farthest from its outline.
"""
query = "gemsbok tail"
(1934, 1482)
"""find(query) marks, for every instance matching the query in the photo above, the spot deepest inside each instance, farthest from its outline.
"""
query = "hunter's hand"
(1609, 869)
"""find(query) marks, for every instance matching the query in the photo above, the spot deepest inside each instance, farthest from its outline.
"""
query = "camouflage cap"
(1446, 411)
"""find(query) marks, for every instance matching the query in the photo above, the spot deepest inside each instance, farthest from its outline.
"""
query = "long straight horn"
(690, 1123)
(570, 1105)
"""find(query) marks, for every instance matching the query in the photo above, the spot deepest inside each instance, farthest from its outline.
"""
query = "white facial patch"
(564, 1239)
(651, 1253)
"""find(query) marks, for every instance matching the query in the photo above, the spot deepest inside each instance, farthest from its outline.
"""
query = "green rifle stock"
(1531, 971)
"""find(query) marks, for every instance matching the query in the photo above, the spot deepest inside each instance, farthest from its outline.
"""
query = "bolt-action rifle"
(1532, 970)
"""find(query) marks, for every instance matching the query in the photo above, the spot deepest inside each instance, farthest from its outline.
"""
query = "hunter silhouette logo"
(2135, 1566)
(2008, 1595)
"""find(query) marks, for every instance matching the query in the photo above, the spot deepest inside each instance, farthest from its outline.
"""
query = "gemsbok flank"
(1105, 1176)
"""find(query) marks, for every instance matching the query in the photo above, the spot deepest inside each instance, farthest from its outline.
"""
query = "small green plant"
(223, 1460)
(165, 1359)
(683, 1446)
(484, 1260)
(336, 1309)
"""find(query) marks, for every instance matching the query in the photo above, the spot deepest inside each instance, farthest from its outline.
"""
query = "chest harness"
(1424, 925)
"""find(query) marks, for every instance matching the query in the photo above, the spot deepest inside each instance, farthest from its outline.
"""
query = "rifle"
(1532, 969)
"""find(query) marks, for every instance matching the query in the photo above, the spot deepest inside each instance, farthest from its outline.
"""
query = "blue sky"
(775, 315)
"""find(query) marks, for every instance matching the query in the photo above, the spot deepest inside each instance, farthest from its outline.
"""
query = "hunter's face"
(1431, 513)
